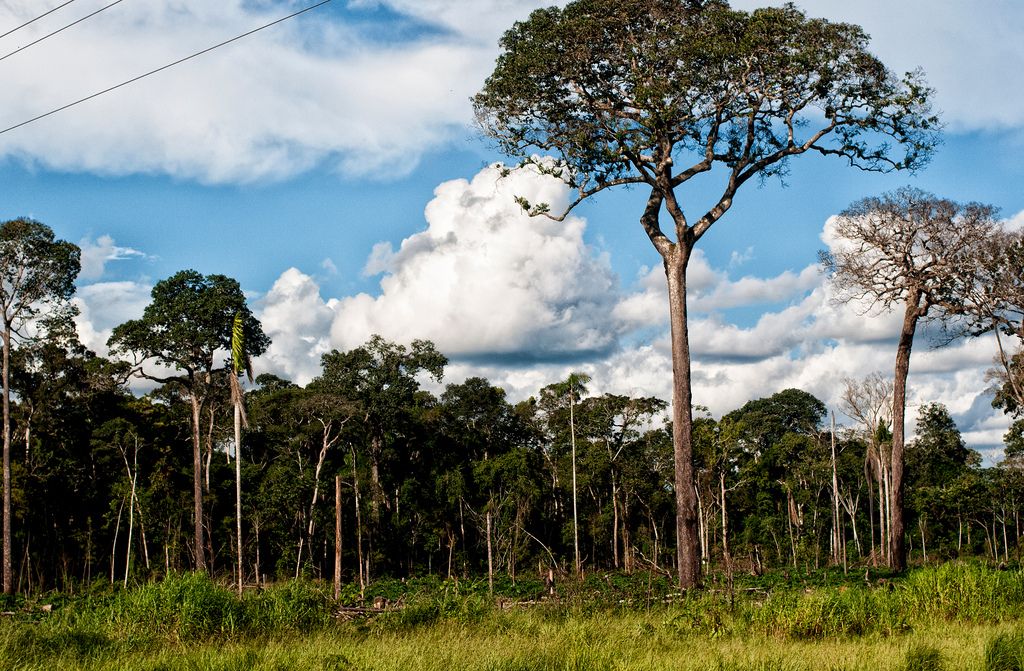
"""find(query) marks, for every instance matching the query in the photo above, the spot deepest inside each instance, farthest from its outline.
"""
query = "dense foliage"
(421, 474)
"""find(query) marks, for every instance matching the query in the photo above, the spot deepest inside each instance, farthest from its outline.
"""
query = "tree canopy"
(658, 91)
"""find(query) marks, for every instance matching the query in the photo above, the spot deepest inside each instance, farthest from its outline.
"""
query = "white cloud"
(298, 321)
(96, 253)
(486, 279)
(104, 305)
(299, 94)
(319, 91)
(329, 267)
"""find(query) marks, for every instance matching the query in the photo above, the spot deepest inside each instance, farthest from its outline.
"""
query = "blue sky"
(330, 165)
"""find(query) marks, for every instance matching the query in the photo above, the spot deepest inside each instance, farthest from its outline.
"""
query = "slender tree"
(576, 384)
(653, 93)
(241, 363)
(183, 331)
(37, 278)
(912, 250)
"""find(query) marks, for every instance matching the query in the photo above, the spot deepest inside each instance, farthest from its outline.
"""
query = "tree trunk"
(836, 517)
(377, 491)
(113, 544)
(197, 484)
(924, 546)
(490, 555)
(131, 528)
(337, 537)
(575, 521)
(897, 547)
(615, 523)
(725, 525)
(359, 525)
(238, 490)
(883, 520)
(8, 562)
(687, 548)
(325, 445)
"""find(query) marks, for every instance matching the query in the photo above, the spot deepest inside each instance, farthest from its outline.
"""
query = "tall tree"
(575, 385)
(656, 92)
(912, 250)
(188, 324)
(37, 278)
(241, 363)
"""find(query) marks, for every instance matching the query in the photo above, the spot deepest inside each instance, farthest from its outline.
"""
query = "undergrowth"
(586, 617)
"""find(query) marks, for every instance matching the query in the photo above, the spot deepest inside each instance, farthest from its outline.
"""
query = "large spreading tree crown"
(658, 91)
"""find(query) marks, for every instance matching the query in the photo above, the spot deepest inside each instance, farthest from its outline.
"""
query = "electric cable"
(164, 67)
(60, 30)
(14, 30)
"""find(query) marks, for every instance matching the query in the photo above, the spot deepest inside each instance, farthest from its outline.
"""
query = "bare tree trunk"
(8, 560)
(790, 514)
(337, 537)
(687, 549)
(725, 525)
(490, 555)
(256, 533)
(575, 522)
(883, 519)
(924, 546)
(897, 547)
(359, 525)
(702, 526)
(113, 545)
(1006, 547)
(238, 491)
(197, 484)
(871, 521)
(836, 517)
(131, 528)
(615, 523)
(209, 446)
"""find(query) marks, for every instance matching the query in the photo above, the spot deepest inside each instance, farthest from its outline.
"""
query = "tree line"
(363, 472)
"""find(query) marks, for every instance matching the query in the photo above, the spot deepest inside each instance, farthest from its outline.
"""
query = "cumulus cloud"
(485, 279)
(104, 305)
(298, 322)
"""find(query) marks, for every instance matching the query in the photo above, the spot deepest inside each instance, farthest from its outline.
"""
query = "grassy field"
(952, 617)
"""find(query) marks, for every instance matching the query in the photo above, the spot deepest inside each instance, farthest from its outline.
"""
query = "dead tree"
(913, 250)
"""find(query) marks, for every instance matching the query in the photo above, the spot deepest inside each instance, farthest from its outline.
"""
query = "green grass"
(957, 616)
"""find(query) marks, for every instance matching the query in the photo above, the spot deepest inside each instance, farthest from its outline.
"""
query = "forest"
(365, 473)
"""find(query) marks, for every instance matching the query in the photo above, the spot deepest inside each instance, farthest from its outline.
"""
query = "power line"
(60, 30)
(164, 67)
(14, 30)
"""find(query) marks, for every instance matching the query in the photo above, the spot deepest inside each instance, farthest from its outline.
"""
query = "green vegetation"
(957, 616)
